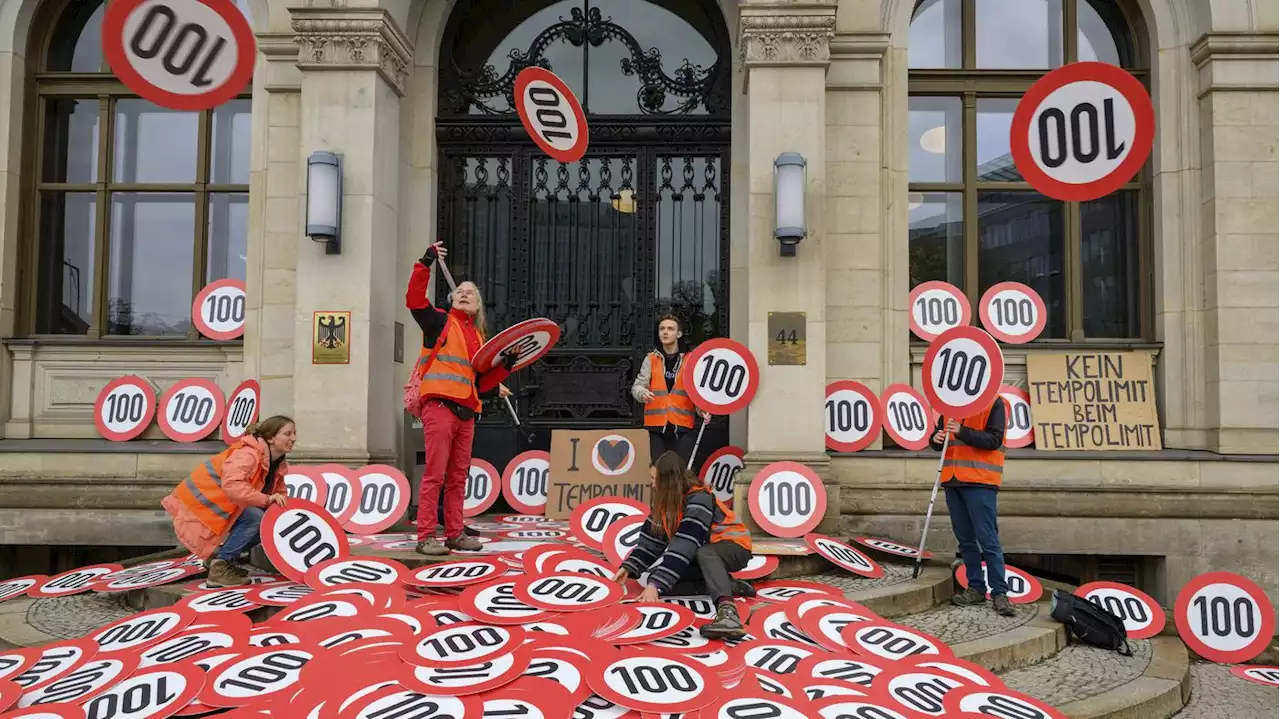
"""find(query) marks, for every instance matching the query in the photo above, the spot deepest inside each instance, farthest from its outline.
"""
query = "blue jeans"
(243, 535)
(973, 519)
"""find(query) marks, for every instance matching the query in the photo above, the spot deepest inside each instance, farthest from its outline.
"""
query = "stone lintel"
(352, 39)
(1239, 61)
(788, 35)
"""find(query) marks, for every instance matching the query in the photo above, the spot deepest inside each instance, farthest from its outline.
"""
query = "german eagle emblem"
(333, 331)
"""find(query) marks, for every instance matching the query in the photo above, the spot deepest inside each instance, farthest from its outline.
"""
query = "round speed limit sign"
(1224, 617)
(1143, 618)
(1019, 431)
(908, 420)
(530, 340)
(1082, 131)
(524, 481)
(1012, 312)
(180, 54)
(590, 520)
(721, 376)
(721, 470)
(301, 536)
(963, 369)
(190, 410)
(852, 416)
(124, 408)
(937, 307)
(384, 497)
(482, 487)
(218, 310)
(305, 483)
(551, 114)
(787, 499)
(242, 410)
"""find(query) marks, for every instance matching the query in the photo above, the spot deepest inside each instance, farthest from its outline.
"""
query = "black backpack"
(1090, 622)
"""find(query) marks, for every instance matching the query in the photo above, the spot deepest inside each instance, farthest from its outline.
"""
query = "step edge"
(1028, 644)
(1163, 688)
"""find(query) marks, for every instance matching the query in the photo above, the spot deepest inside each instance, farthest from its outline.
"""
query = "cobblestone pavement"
(1218, 694)
(71, 617)
(1079, 672)
(893, 574)
(954, 624)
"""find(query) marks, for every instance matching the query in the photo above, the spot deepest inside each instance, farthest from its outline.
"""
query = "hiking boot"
(968, 598)
(431, 547)
(467, 530)
(222, 574)
(463, 543)
(726, 625)
(240, 569)
(743, 588)
(1003, 606)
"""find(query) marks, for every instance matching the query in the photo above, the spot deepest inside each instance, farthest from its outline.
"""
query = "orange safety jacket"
(450, 374)
(725, 526)
(667, 407)
(971, 465)
(201, 492)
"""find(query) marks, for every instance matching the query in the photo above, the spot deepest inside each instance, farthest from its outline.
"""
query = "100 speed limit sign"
(787, 499)
(852, 416)
(124, 408)
(1012, 312)
(937, 307)
(551, 114)
(721, 376)
(218, 310)
(301, 536)
(963, 369)
(907, 417)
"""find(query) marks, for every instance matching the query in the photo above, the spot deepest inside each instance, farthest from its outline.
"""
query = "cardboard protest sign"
(586, 464)
(1093, 401)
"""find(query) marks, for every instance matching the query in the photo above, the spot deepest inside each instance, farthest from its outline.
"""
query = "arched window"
(973, 220)
(133, 208)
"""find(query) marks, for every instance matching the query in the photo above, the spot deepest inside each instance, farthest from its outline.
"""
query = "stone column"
(353, 62)
(1238, 239)
(785, 52)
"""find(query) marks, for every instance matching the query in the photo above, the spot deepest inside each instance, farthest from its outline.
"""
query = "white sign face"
(190, 410)
(186, 646)
(776, 657)
(483, 487)
(852, 416)
(472, 678)
(721, 471)
(850, 671)
(568, 592)
(406, 704)
(242, 410)
(590, 520)
(859, 707)
(685, 641)
(147, 695)
(1224, 617)
(1081, 132)
(124, 408)
(220, 308)
(937, 307)
(827, 627)
(142, 629)
(891, 641)
(384, 497)
(1142, 616)
(81, 682)
(776, 625)
(370, 570)
(1023, 588)
(551, 115)
(299, 537)
(17, 587)
(891, 547)
(744, 707)
(305, 483)
(72, 582)
(463, 645)
(149, 578)
(962, 372)
(457, 574)
(1012, 312)
(259, 674)
(656, 622)
(654, 684)
(844, 556)
(907, 417)
(227, 600)
(1001, 704)
(787, 499)
(341, 490)
(54, 661)
(785, 591)
(1019, 430)
(922, 691)
(497, 604)
(721, 376)
(524, 482)
(322, 608)
(1266, 676)
(281, 595)
(534, 534)
(554, 666)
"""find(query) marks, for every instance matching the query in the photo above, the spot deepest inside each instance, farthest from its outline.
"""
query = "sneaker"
(743, 588)
(222, 574)
(431, 547)
(464, 543)
(470, 532)
(726, 625)
(969, 598)
(1003, 606)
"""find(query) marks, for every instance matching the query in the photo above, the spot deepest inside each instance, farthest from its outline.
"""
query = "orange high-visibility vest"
(450, 375)
(201, 492)
(667, 407)
(970, 464)
(726, 529)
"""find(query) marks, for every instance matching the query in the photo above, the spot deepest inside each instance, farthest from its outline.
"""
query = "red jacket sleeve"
(236, 474)
(415, 297)
(490, 380)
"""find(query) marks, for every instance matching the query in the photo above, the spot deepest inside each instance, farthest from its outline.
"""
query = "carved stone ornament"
(350, 39)
(786, 39)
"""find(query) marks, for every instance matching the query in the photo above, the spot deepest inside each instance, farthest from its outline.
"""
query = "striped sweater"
(666, 561)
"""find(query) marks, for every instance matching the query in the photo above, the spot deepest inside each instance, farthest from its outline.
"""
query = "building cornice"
(793, 34)
(352, 39)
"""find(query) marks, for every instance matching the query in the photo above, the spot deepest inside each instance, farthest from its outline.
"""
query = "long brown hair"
(268, 428)
(674, 482)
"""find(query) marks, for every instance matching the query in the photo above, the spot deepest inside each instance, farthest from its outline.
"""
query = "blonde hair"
(268, 428)
(481, 325)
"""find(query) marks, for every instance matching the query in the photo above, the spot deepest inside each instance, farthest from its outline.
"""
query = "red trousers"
(448, 448)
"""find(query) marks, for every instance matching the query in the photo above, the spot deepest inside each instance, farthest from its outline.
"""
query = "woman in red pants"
(451, 391)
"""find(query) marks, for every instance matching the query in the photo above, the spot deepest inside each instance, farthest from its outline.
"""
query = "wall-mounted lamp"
(324, 200)
(788, 195)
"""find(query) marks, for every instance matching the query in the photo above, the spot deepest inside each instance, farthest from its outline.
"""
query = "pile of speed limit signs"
(535, 629)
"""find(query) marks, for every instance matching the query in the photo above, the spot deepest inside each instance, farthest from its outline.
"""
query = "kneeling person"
(690, 544)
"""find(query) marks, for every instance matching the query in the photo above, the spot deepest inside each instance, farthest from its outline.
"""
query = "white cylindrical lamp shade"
(324, 194)
(788, 193)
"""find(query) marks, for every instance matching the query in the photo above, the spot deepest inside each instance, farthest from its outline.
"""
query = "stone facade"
(826, 78)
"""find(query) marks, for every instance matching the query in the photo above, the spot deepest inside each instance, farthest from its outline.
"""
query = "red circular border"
(268, 526)
(499, 569)
(402, 504)
(257, 408)
(1158, 618)
(466, 604)
(488, 501)
(811, 539)
(1239, 671)
(246, 55)
(1028, 440)
(147, 417)
(951, 700)
(984, 314)
(863, 541)
(988, 395)
(770, 565)
(608, 545)
(573, 154)
(409, 650)
(757, 487)
(1265, 632)
(931, 417)
(219, 407)
(753, 375)
(712, 687)
(322, 487)
(966, 312)
(510, 472)
(403, 573)
(575, 518)
(877, 416)
(1144, 117)
(350, 476)
(1037, 589)
(37, 591)
(723, 451)
(487, 355)
(614, 592)
(203, 295)
(847, 634)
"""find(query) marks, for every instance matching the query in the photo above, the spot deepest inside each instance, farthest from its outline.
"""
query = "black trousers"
(708, 573)
(671, 439)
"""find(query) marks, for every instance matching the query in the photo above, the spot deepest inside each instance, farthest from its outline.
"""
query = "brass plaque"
(786, 338)
(331, 338)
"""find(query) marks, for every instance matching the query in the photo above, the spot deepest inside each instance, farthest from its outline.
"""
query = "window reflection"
(1019, 34)
(149, 288)
(64, 281)
(934, 137)
(1020, 239)
(995, 161)
(935, 222)
(230, 143)
(1109, 254)
(77, 43)
(70, 141)
(154, 144)
(228, 236)
(935, 37)
(688, 220)
(1094, 39)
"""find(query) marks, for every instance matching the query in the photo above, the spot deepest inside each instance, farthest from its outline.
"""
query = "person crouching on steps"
(971, 476)
(217, 510)
(689, 546)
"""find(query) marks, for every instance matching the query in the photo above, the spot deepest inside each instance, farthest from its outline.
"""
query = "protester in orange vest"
(451, 394)
(668, 412)
(971, 474)
(689, 546)
(218, 508)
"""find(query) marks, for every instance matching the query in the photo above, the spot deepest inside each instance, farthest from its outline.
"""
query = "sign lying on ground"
(587, 464)
(1093, 401)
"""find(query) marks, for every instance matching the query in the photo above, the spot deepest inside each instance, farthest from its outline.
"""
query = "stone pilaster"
(785, 52)
(354, 63)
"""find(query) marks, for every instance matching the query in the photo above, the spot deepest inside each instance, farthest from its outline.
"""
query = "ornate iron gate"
(603, 246)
